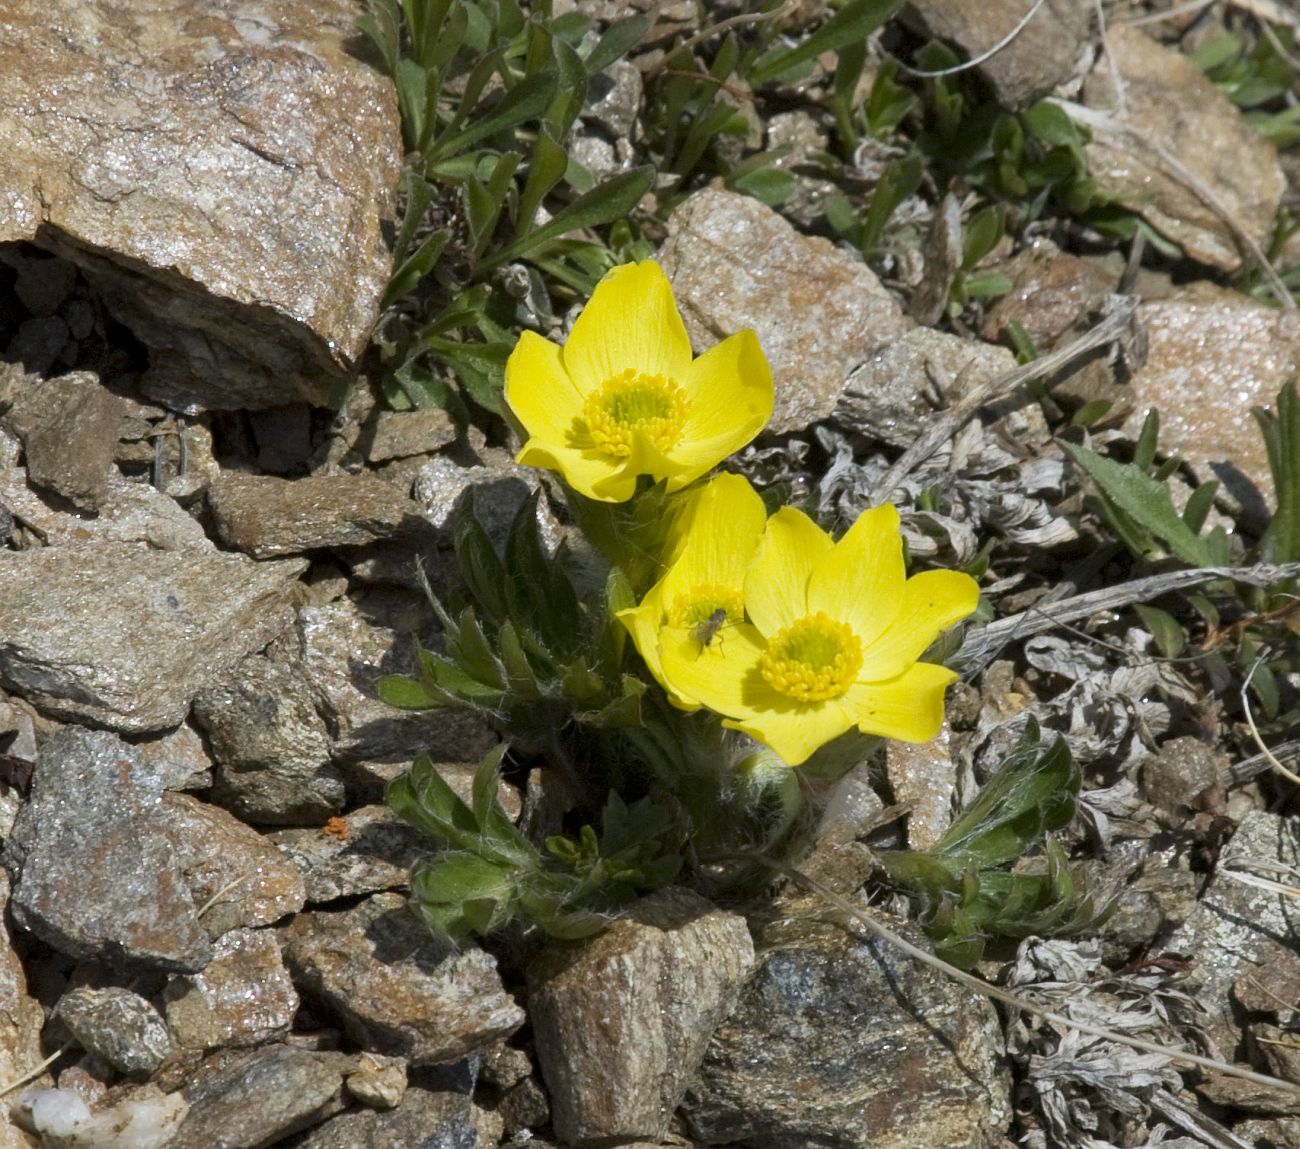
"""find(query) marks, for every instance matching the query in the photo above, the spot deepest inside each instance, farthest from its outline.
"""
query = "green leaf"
(1198, 505)
(1148, 503)
(487, 779)
(1165, 629)
(406, 693)
(772, 186)
(1281, 541)
(525, 101)
(898, 181)
(382, 25)
(986, 227)
(852, 23)
(618, 40)
(609, 201)
(470, 649)
(546, 167)
(480, 567)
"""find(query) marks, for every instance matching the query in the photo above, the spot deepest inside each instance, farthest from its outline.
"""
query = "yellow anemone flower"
(623, 397)
(701, 595)
(832, 639)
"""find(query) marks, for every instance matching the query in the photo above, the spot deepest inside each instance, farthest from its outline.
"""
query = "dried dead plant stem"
(976, 61)
(981, 646)
(1117, 319)
(1254, 730)
(1006, 997)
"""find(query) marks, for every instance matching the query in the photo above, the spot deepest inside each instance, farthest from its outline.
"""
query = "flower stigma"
(631, 402)
(813, 659)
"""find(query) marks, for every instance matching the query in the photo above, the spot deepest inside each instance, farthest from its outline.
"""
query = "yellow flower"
(701, 596)
(624, 398)
(831, 641)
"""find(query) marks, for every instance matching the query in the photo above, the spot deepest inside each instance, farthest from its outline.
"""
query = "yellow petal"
(909, 707)
(540, 392)
(630, 322)
(795, 733)
(860, 581)
(931, 602)
(731, 395)
(717, 675)
(645, 459)
(584, 471)
(644, 622)
(726, 523)
(776, 588)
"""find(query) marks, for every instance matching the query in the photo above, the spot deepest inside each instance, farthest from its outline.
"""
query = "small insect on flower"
(705, 632)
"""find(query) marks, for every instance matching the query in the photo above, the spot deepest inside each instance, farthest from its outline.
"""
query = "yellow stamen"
(812, 659)
(701, 603)
(633, 402)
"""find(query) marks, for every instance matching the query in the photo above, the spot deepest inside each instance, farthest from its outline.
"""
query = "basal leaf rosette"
(701, 596)
(830, 641)
(623, 397)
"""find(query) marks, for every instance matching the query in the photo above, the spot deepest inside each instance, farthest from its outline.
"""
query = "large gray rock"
(124, 636)
(267, 516)
(257, 1098)
(98, 876)
(243, 997)
(270, 745)
(188, 157)
(21, 1020)
(1238, 927)
(118, 1025)
(394, 988)
(621, 1020)
(1171, 102)
(846, 1043)
(432, 1118)
(1043, 54)
(1212, 355)
(818, 311)
(235, 874)
(69, 428)
(365, 851)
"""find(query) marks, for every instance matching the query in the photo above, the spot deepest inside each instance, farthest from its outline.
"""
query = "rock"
(891, 396)
(239, 876)
(614, 99)
(118, 1025)
(436, 1118)
(128, 512)
(146, 1119)
(21, 1020)
(283, 438)
(42, 283)
(621, 1020)
(818, 311)
(41, 345)
(841, 1040)
(399, 434)
(923, 777)
(1051, 292)
(244, 996)
(341, 656)
(17, 748)
(803, 136)
(498, 489)
(97, 874)
(266, 516)
(1181, 769)
(1235, 926)
(1213, 355)
(1172, 105)
(212, 200)
(69, 428)
(1043, 54)
(106, 633)
(379, 1082)
(394, 988)
(179, 758)
(260, 1097)
(367, 850)
(270, 745)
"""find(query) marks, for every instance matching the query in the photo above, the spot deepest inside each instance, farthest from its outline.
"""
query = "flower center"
(705, 608)
(633, 402)
(812, 659)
